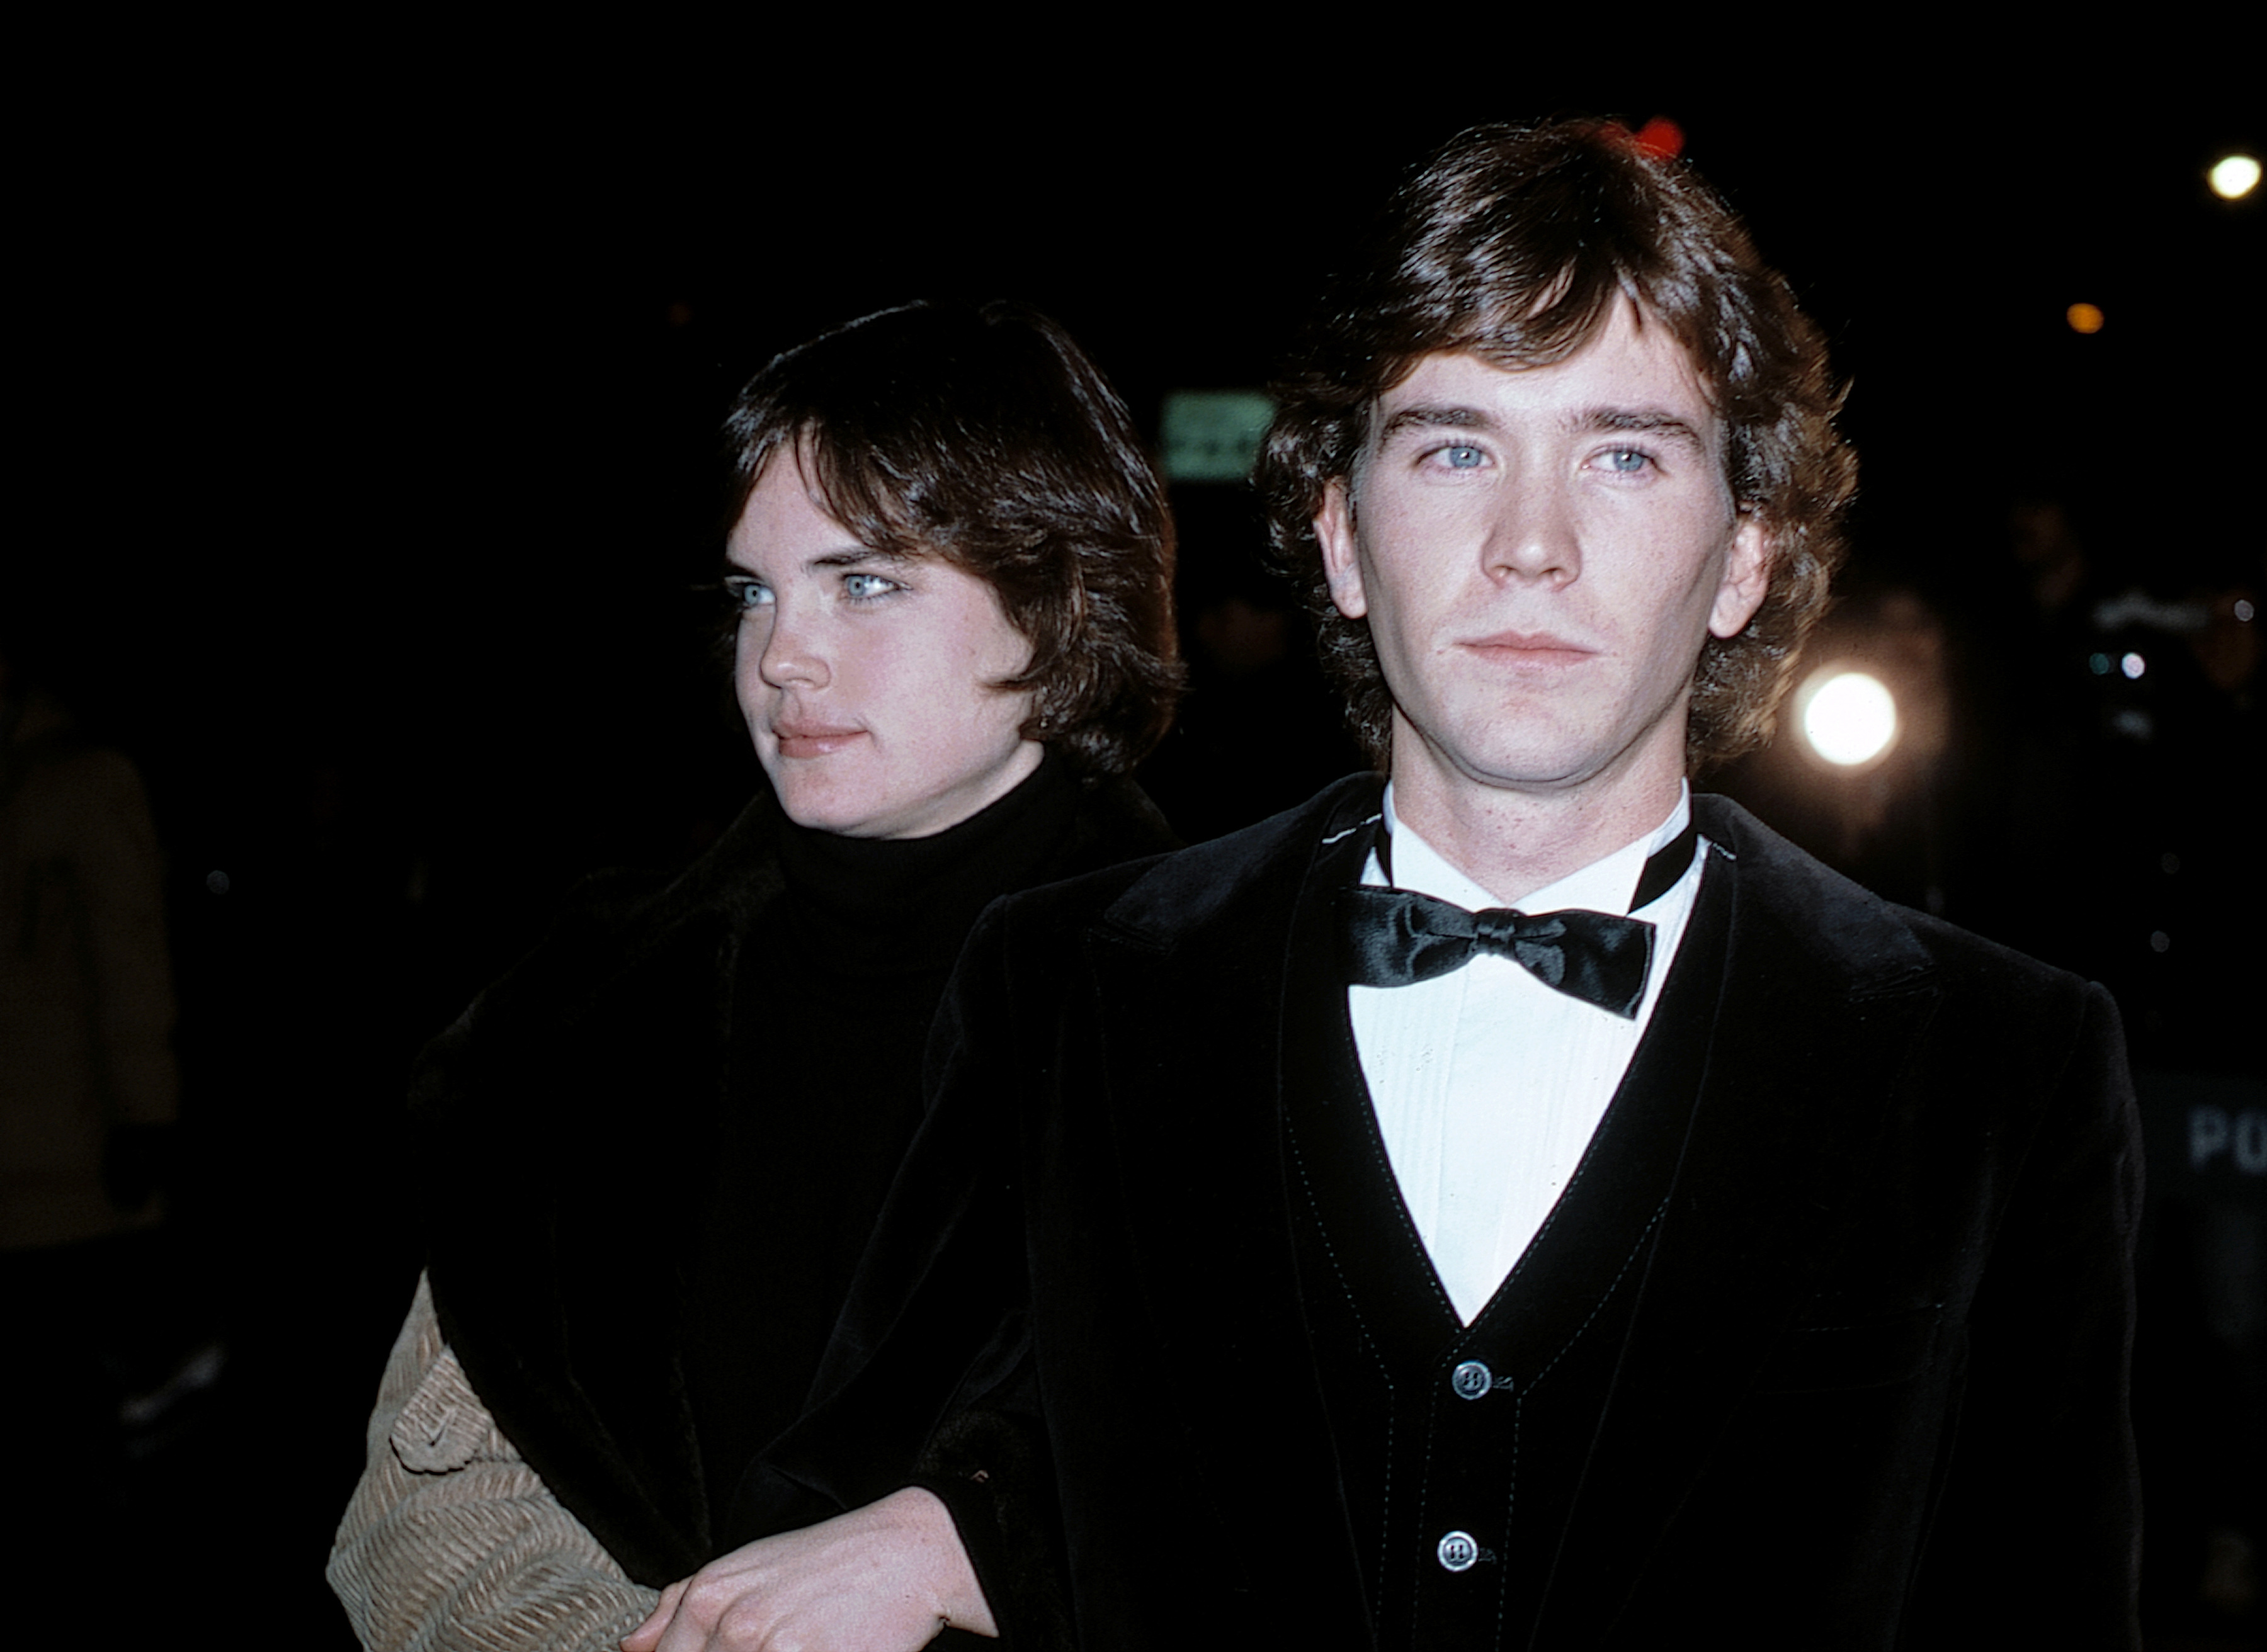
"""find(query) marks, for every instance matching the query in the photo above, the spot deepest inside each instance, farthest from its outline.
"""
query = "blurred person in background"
(89, 1093)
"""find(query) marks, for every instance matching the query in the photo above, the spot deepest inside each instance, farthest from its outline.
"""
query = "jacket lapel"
(1821, 990)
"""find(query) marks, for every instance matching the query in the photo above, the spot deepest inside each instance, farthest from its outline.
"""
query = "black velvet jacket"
(597, 1076)
(1873, 1387)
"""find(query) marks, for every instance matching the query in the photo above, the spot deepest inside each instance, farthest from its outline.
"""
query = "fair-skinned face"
(1539, 553)
(867, 678)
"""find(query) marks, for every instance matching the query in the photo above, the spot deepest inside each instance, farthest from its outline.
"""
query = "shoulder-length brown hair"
(1515, 243)
(986, 437)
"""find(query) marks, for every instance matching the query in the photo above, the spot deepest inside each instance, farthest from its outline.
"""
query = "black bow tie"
(1392, 938)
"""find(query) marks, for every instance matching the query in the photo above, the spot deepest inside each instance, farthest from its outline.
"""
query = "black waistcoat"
(1460, 1447)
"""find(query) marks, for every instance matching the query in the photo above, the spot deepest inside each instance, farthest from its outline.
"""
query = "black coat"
(596, 1080)
(1872, 1390)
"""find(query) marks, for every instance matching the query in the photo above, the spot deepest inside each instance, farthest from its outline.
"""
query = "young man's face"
(1539, 554)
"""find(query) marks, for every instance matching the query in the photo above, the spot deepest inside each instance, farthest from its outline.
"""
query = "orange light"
(1661, 137)
(2084, 317)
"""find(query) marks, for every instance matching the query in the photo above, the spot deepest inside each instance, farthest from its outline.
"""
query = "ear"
(1747, 576)
(1341, 561)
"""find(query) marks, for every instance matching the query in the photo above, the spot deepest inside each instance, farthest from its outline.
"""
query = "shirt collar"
(1603, 886)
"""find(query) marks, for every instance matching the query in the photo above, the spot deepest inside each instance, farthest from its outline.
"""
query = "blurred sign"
(2204, 1131)
(1213, 435)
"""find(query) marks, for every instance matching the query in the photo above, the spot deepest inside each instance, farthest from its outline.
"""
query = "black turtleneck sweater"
(839, 979)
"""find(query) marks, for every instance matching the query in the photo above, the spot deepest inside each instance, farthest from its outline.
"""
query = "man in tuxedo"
(1512, 1202)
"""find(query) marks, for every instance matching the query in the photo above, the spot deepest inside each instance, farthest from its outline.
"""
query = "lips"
(1531, 648)
(812, 740)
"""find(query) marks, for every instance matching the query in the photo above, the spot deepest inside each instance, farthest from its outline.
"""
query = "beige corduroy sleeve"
(451, 1541)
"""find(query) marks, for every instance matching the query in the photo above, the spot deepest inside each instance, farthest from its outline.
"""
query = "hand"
(889, 1576)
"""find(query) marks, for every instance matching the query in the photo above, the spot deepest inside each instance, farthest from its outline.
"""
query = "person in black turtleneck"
(950, 570)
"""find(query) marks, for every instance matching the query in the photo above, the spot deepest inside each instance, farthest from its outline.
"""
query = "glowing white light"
(2132, 665)
(1848, 717)
(2244, 610)
(2235, 177)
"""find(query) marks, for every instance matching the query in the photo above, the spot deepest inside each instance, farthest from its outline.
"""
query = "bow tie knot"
(1537, 943)
(1393, 937)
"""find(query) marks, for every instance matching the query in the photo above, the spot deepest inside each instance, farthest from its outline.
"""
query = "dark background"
(370, 467)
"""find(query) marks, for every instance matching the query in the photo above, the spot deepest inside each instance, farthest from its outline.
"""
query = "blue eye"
(746, 592)
(1628, 461)
(864, 587)
(1461, 457)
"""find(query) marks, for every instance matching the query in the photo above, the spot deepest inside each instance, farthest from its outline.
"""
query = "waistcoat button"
(1457, 1551)
(1471, 1379)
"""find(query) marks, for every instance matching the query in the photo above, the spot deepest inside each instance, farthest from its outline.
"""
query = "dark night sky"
(378, 415)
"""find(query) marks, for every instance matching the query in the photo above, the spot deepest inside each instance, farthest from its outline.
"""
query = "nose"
(789, 653)
(1532, 536)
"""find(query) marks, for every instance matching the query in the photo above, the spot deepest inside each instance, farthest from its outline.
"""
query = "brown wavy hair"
(984, 437)
(1515, 243)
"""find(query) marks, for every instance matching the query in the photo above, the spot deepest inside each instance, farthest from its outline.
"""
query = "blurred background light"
(2132, 665)
(2235, 177)
(1662, 138)
(1849, 717)
(2084, 317)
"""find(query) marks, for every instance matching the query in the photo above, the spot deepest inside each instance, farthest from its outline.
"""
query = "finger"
(648, 1634)
(700, 1603)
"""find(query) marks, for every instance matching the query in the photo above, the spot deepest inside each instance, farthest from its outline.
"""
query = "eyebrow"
(1652, 420)
(1456, 416)
(1433, 416)
(850, 557)
(862, 556)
